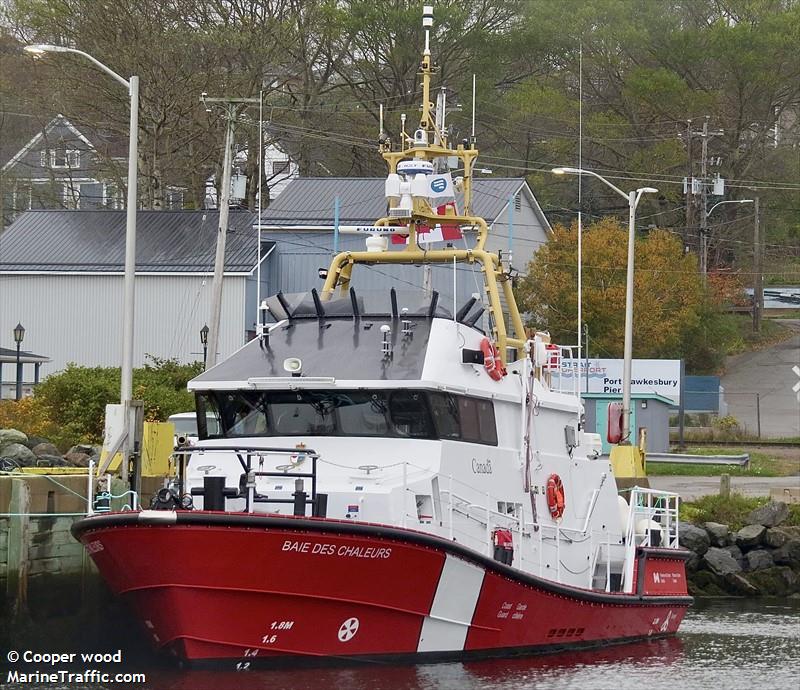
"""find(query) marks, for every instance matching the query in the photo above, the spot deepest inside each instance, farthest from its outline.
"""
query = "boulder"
(736, 552)
(793, 531)
(776, 537)
(77, 459)
(694, 538)
(788, 554)
(19, 453)
(45, 449)
(704, 583)
(35, 441)
(721, 562)
(792, 579)
(750, 536)
(777, 581)
(51, 461)
(9, 436)
(717, 533)
(82, 448)
(759, 559)
(692, 563)
(770, 515)
(736, 584)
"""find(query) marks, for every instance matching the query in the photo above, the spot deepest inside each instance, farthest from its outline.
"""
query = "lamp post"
(132, 85)
(204, 343)
(19, 336)
(633, 201)
(704, 249)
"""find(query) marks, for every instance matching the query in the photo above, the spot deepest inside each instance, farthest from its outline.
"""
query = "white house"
(279, 171)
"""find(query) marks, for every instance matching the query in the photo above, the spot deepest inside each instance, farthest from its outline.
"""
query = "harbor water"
(721, 644)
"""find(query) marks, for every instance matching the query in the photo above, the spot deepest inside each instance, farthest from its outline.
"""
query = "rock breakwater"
(760, 559)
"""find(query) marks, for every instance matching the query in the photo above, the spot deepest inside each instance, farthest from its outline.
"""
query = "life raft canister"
(491, 360)
(555, 496)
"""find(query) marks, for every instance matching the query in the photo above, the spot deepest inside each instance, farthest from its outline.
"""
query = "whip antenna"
(473, 108)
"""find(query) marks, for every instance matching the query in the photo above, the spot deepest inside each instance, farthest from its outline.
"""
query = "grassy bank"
(732, 511)
(764, 462)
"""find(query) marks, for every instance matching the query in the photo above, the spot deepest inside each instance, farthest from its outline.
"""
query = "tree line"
(635, 70)
(325, 66)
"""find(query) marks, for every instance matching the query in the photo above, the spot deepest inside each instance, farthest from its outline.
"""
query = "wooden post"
(758, 413)
(18, 527)
(725, 485)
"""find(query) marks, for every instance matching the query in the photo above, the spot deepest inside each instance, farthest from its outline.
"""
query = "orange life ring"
(555, 496)
(491, 360)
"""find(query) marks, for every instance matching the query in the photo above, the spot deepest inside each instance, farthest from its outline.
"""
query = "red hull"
(247, 588)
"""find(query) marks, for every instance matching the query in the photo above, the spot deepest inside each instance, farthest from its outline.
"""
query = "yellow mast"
(420, 148)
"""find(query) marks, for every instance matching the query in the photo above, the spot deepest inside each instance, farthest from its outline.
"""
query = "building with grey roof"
(301, 223)
(61, 271)
(61, 275)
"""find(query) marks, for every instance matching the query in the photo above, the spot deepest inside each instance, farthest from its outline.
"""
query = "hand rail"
(659, 507)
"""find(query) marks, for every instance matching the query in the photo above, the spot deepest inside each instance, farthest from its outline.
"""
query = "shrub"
(75, 399)
(29, 417)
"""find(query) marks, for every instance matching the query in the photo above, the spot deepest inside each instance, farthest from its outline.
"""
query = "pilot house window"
(397, 413)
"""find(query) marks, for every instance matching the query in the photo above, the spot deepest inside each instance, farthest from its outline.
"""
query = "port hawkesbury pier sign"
(662, 376)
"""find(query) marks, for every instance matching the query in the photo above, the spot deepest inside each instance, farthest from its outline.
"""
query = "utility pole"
(699, 186)
(689, 193)
(231, 108)
(704, 205)
(758, 276)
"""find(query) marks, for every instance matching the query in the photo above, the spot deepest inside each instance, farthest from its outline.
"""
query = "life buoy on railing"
(491, 360)
(555, 496)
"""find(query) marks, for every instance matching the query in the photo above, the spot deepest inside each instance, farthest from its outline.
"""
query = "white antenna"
(441, 112)
(260, 177)
(455, 290)
(473, 106)
(580, 220)
(427, 23)
(380, 110)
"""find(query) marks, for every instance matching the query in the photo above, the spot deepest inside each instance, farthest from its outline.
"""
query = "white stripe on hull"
(445, 629)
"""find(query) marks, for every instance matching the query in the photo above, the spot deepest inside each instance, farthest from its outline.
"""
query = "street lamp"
(19, 336)
(633, 201)
(204, 343)
(730, 201)
(132, 85)
(704, 238)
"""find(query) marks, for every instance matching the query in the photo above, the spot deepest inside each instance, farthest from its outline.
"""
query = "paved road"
(691, 488)
(769, 373)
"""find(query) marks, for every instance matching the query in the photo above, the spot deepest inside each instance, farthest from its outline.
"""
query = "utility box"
(648, 410)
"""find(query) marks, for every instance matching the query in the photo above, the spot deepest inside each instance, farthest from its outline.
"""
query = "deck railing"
(652, 521)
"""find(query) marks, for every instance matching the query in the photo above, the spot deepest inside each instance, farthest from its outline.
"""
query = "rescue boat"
(385, 478)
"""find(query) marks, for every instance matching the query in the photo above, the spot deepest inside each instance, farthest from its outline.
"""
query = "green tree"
(668, 295)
